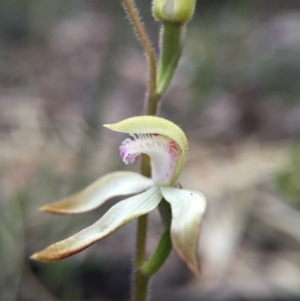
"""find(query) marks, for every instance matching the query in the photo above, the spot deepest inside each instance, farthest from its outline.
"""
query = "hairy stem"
(141, 281)
(164, 245)
(149, 51)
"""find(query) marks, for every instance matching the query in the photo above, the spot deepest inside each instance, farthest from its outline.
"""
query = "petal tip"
(113, 127)
(109, 126)
(33, 256)
(44, 208)
(37, 257)
(51, 209)
(51, 254)
(195, 268)
(191, 261)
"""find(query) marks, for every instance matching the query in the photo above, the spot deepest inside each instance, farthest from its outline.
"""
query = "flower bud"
(177, 11)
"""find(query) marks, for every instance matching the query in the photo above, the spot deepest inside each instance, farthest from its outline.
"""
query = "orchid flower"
(166, 145)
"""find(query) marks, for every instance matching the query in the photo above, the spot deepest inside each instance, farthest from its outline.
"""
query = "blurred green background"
(67, 67)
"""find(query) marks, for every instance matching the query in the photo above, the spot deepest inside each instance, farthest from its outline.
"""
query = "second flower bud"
(177, 11)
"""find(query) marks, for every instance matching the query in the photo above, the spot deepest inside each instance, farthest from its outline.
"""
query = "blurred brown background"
(67, 67)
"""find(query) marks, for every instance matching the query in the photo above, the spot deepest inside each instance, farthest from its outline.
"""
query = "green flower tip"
(177, 11)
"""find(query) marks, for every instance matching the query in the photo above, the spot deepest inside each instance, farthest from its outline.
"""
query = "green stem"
(164, 245)
(141, 281)
(141, 286)
(141, 241)
(146, 43)
(171, 46)
(152, 104)
(159, 256)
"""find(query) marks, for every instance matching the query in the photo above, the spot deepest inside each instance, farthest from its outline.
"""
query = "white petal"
(120, 214)
(96, 194)
(188, 207)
